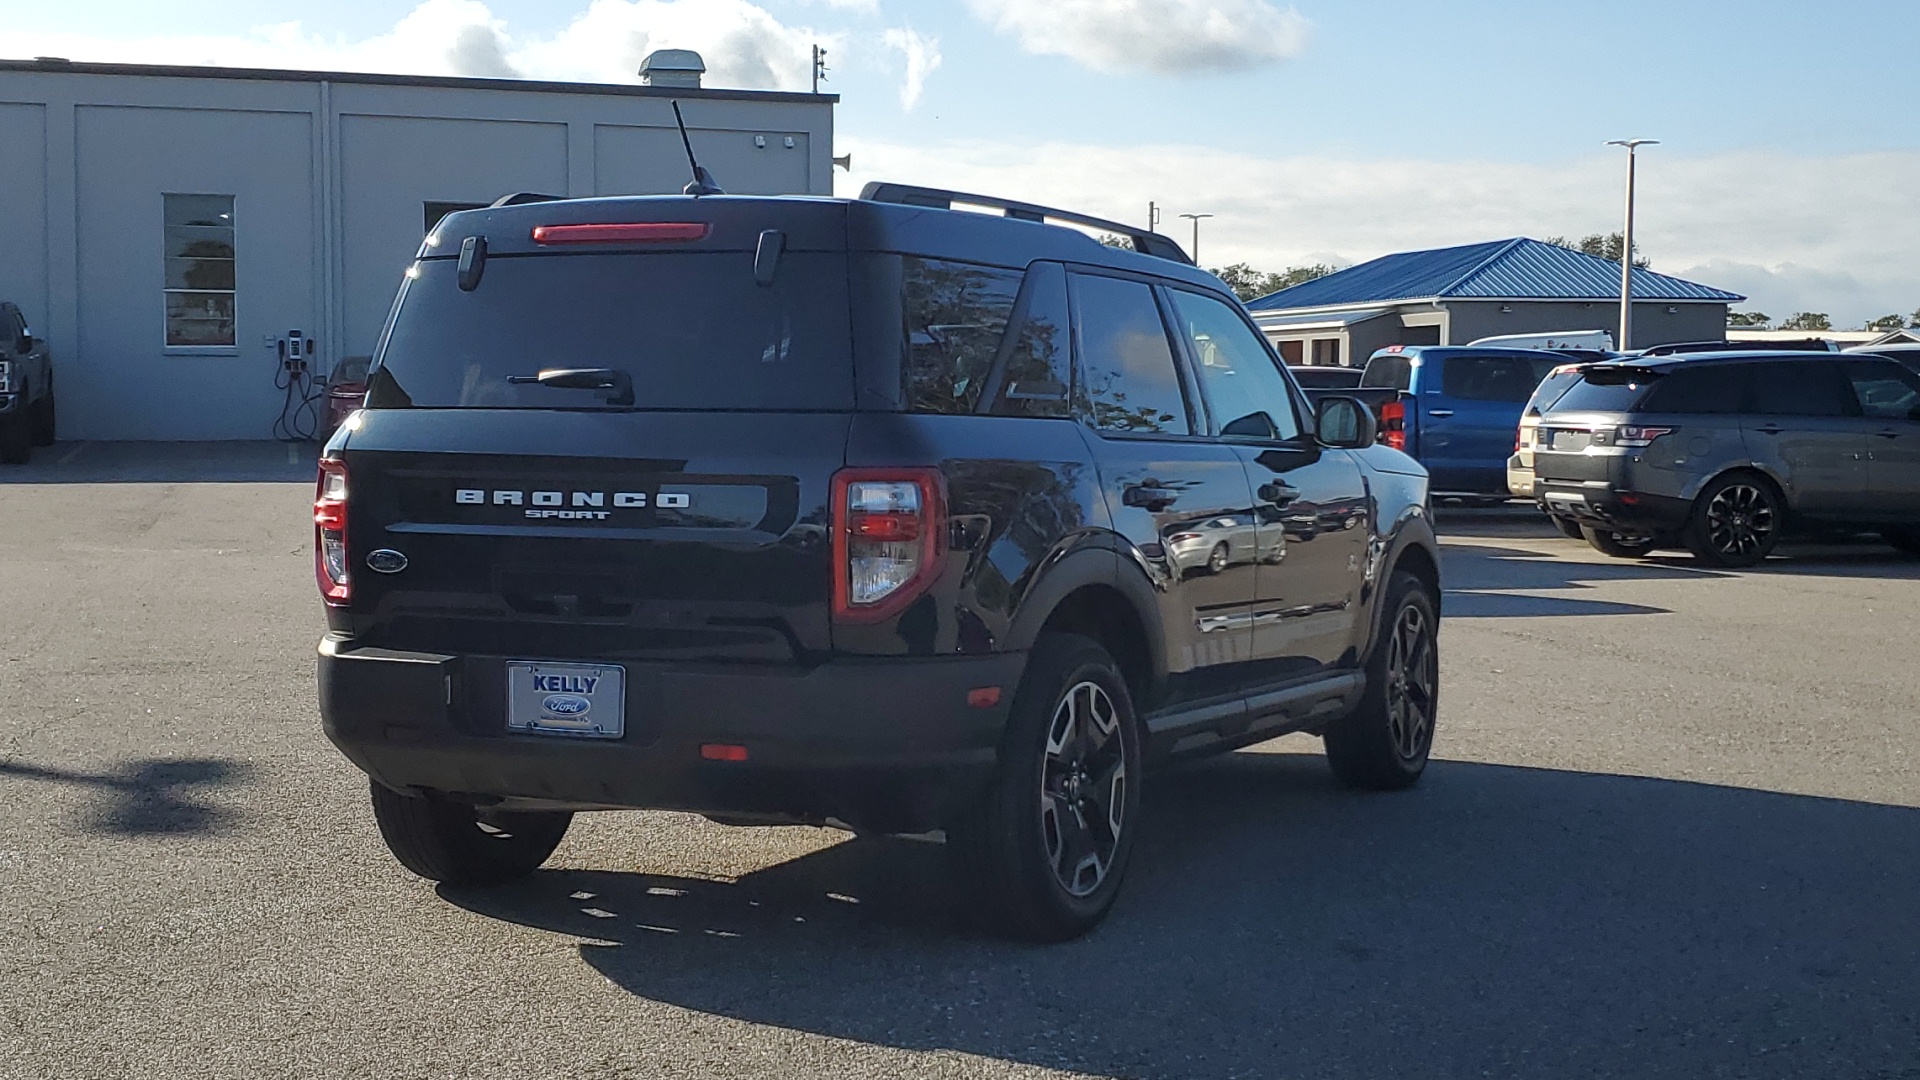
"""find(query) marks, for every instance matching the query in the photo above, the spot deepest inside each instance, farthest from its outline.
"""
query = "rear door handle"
(1148, 496)
(1439, 412)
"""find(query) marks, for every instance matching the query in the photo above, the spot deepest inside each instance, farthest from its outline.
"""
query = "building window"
(1326, 352)
(199, 282)
(438, 210)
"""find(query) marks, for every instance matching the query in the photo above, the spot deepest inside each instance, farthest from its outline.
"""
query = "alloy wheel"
(1740, 521)
(1412, 675)
(1083, 788)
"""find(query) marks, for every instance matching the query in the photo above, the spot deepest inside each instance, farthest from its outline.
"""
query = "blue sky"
(1790, 164)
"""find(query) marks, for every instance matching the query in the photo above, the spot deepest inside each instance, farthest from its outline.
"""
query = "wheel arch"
(1090, 593)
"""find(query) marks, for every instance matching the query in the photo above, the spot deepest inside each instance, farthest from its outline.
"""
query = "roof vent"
(680, 68)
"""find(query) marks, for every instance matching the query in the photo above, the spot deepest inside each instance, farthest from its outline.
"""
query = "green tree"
(1756, 320)
(1601, 246)
(1248, 283)
(1887, 322)
(1914, 319)
(1807, 320)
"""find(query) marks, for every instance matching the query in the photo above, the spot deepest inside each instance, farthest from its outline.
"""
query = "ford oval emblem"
(567, 705)
(386, 561)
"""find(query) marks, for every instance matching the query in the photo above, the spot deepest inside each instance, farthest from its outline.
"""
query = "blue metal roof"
(1517, 269)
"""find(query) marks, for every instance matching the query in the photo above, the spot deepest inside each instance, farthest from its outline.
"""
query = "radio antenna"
(702, 179)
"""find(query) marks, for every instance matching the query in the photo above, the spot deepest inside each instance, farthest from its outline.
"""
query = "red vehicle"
(346, 390)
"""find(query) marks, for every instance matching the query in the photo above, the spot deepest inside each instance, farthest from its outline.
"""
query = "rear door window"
(1245, 391)
(1491, 378)
(1132, 384)
(1886, 391)
(1709, 388)
(691, 329)
(1798, 388)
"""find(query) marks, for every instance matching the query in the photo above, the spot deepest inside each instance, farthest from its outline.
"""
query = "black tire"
(1217, 559)
(1611, 543)
(1068, 781)
(1735, 521)
(1383, 744)
(43, 418)
(16, 437)
(455, 843)
(1568, 527)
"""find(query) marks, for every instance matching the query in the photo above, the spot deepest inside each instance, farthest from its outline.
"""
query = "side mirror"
(1344, 424)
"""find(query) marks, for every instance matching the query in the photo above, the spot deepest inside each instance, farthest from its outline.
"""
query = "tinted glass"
(1492, 378)
(1886, 391)
(1244, 388)
(691, 329)
(1132, 384)
(1038, 378)
(1548, 392)
(1797, 388)
(1584, 396)
(1394, 371)
(956, 313)
(1710, 388)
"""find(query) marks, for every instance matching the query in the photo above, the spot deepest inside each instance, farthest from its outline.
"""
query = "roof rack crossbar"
(1145, 241)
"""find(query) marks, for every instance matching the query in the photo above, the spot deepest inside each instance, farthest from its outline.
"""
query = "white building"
(166, 228)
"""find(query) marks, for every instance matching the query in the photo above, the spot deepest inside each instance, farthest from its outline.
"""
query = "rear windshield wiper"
(592, 378)
(1618, 374)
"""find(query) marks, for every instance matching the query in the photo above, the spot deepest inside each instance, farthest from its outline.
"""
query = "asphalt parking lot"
(1672, 829)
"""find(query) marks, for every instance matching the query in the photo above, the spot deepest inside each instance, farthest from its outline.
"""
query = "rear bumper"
(1599, 503)
(1520, 476)
(884, 745)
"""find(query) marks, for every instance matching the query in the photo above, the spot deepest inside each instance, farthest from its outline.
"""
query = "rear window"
(691, 329)
(1584, 396)
(1394, 372)
(1547, 394)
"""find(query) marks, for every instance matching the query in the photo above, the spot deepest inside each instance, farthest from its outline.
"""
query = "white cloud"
(1166, 37)
(1833, 234)
(922, 55)
(744, 46)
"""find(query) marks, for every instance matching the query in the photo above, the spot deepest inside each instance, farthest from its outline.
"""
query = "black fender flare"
(1095, 560)
(1414, 529)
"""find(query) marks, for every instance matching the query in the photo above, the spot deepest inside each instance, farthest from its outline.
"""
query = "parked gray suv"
(1720, 454)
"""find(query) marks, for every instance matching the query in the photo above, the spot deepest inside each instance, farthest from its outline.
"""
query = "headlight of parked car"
(6, 376)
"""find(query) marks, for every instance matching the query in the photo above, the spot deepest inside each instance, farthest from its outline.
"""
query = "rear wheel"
(43, 420)
(1044, 852)
(459, 844)
(1217, 560)
(1612, 543)
(1383, 744)
(1735, 522)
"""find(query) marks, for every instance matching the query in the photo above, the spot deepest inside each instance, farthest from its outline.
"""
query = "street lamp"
(1626, 244)
(1195, 218)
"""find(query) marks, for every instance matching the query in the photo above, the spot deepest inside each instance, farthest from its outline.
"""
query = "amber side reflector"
(655, 232)
(983, 697)
(715, 751)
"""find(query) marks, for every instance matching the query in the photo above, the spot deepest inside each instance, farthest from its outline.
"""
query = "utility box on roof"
(167, 228)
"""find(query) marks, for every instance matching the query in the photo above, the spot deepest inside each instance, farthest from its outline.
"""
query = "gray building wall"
(329, 178)
(1469, 320)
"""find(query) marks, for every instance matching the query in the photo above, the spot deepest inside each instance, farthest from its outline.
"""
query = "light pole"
(1195, 218)
(1626, 244)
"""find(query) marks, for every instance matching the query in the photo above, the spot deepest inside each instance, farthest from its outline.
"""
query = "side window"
(1488, 378)
(1798, 388)
(1247, 393)
(1132, 383)
(956, 314)
(1710, 388)
(1886, 391)
(1038, 378)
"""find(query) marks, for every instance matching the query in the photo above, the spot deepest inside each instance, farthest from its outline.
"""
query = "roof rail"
(1145, 241)
(521, 198)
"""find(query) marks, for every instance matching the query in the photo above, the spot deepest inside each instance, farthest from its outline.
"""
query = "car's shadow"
(1496, 921)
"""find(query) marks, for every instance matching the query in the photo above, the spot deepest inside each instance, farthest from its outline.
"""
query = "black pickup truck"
(870, 513)
(26, 389)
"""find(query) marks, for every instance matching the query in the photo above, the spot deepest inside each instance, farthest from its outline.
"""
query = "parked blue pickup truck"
(1454, 408)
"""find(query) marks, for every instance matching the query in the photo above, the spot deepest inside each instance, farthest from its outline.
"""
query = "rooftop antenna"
(702, 179)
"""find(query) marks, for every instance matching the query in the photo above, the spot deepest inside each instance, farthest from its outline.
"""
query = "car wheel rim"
(1740, 521)
(1218, 560)
(1412, 678)
(1083, 788)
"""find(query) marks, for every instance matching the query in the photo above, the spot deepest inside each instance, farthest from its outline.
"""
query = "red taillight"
(714, 751)
(330, 531)
(1393, 424)
(652, 232)
(889, 530)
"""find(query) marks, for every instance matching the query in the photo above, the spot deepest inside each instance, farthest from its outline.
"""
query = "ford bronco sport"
(872, 513)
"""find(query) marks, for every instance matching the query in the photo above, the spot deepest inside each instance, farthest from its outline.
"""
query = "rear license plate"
(583, 700)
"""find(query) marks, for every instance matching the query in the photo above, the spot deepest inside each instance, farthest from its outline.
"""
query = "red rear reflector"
(715, 751)
(888, 525)
(983, 697)
(656, 232)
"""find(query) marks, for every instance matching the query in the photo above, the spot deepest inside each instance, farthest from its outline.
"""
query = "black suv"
(870, 513)
(26, 389)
